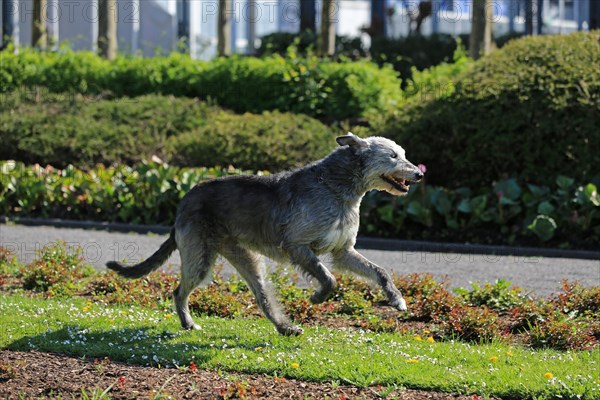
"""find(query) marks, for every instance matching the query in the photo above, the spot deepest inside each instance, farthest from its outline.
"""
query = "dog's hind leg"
(310, 263)
(197, 257)
(353, 261)
(248, 264)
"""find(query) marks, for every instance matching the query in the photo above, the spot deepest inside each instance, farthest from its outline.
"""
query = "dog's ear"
(351, 140)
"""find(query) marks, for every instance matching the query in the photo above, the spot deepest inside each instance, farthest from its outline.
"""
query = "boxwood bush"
(270, 141)
(307, 84)
(530, 110)
(83, 131)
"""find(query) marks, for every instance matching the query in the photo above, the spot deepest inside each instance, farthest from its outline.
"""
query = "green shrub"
(270, 141)
(212, 300)
(309, 85)
(497, 296)
(473, 324)
(561, 335)
(527, 314)
(416, 51)
(317, 87)
(57, 270)
(530, 110)
(578, 300)
(61, 130)
(153, 291)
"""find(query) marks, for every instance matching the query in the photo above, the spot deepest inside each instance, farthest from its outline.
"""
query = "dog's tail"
(151, 264)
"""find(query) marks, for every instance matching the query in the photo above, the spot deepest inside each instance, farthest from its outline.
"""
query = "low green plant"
(578, 300)
(57, 271)
(498, 296)
(8, 265)
(560, 334)
(305, 42)
(528, 314)
(353, 303)
(472, 324)
(212, 300)
(152, 291)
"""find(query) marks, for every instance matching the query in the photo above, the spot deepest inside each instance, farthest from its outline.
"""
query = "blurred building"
(154, 27)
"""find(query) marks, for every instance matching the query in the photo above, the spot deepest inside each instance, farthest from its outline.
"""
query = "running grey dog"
(290, 216)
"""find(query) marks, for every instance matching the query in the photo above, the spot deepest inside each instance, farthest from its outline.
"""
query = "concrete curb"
(362, 242)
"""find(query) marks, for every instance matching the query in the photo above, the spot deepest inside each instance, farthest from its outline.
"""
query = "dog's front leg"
(304, 257)
(351, 260)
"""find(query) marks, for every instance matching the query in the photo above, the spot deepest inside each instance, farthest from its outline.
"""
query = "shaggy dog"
(292, 216)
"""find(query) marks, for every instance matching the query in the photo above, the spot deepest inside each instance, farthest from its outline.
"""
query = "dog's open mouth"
(401, 185)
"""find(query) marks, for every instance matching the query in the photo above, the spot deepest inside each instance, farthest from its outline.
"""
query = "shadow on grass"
(144, 345)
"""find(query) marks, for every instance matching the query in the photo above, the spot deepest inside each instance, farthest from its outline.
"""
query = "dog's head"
(385, 166)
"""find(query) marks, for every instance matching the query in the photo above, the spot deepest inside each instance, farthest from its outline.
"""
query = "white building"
(155, 26)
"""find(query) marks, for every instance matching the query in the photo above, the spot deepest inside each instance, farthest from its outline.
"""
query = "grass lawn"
(137, 335)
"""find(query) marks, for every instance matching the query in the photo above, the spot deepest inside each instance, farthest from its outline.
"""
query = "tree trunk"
(327, 36)
(224, 28)
(529, 17)
(39, 35)
(481, 30)
(377, 28)
(107, 29)
(308, 20)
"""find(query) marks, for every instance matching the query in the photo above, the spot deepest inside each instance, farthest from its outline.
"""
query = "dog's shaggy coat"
(291, 216)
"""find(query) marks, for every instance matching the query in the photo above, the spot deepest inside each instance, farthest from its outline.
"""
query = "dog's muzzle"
(401, 185)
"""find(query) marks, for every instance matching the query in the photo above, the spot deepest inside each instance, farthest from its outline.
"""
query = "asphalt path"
(542, 276)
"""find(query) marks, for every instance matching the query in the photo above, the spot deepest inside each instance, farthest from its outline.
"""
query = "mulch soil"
(33, 375)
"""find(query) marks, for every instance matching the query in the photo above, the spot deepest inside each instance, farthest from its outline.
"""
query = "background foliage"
(530, 110)
(510, 141)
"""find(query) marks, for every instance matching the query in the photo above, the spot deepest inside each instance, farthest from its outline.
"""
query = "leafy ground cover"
(509, 212)
(490, 340)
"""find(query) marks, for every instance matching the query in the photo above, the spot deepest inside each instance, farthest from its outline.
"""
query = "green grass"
(142, 336)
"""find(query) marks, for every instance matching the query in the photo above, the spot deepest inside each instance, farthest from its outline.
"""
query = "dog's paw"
(399, 304)
(291, 330)
(318, 297)
(192, 327)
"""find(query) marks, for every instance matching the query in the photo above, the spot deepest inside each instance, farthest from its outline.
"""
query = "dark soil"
(36, 375)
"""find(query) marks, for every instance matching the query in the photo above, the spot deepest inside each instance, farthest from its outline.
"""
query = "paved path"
(541, 275)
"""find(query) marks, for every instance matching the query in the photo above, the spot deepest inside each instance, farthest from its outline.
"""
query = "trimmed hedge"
(270, 141)
(317, 87)
(530, 110)
(62, 130)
